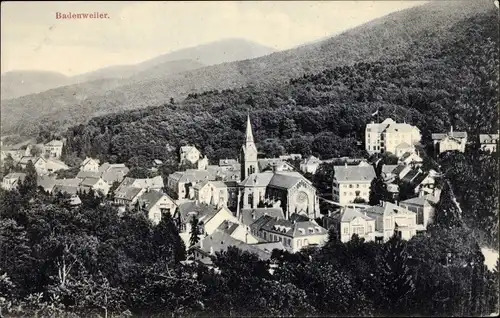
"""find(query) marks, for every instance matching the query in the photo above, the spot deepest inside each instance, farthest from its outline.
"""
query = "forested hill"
(454, 82)
(403, 35)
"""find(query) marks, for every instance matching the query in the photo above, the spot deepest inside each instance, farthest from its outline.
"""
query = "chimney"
(345, 164)
(451, 129)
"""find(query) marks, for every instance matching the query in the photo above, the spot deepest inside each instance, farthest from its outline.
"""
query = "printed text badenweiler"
(71, 15)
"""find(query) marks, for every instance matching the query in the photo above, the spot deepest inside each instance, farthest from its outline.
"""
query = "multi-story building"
(53, 149)
(293, 235)
(351, 182)
(211, 192)
(90, 164)
(391, 219)
(13, 180)
(388, 135)
(423, 206)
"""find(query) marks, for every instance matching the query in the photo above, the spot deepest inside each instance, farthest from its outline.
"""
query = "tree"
(359, 200)
(195, 232)
(378, 192)
(447, 213)
(29, 185)
(168, 243)
(395, 282)
(333, 235)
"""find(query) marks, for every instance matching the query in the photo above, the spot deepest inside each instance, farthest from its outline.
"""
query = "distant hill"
(414, 32)
(19, 83)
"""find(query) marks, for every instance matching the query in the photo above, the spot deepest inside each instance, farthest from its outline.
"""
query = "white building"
(211, 192)
(450, 141)
(90, 164)
(310, 165)
(488, 142)
(388, 135)
(293, 235)
(351, 182)
(155, 204)
(423, 207)
(354, 221)
(53, 149)
(391, 219)
(13, 180)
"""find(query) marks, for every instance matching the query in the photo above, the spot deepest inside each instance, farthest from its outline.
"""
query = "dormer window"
(317, 229)
(311, 230)
(302, 231)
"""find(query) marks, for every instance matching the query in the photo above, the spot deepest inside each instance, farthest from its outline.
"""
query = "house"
(155, 183)
(232, 194)
(411, 159)
(239, 232)
(388, 135)
(293, 236)
(47, 183)
(211, 192)
(450, 141)
(189, 154)
(157, 163)
(127, 196)
(209, 218)
(423, 207)
(72, 191)
(310, 165)
(274, 164)
(391, 219)
(227, 162)
(354, 221)
(90, 164)
(156, 204)
(16, 155)
(13, 180)
(205, 250)
(225, 172)
(488, 142)
(248, 216)
(351, 182)
(53, 149)
(181, 182)
(53, 165)
(112, 173)
(35, 150)
(96, 184)
(39, 163)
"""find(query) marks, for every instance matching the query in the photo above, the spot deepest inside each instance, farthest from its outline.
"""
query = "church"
(274, 186)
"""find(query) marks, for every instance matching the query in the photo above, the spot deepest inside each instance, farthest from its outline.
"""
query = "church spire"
(249, 133)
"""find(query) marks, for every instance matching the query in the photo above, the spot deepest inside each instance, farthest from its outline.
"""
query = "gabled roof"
(247, 219)
(295, 217)
(286, 181)
(151, 197)
(389, 168)
(403, 145)
(25, 159)
(190, 175)
(127, 193)
(187, 149)
(354, 173)
(350, 214)
(488, 138)
(203, 212)
(89, 181)
(421, 201)
(88, 174)
(115, 166)
(219, 241)
(15, 175)
(156, 182)
(228, 227)
(47, 183)
(69, 182)
(87, 160)
(55, 143)
(65, 189)
(258, 179)
(454, 134)
(411, 175)
(311, 160)
(415, 157)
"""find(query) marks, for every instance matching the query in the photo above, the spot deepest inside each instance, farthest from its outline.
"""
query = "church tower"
(248, 156)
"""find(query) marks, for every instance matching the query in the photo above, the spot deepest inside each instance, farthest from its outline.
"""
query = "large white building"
(351, 182)
(450, 141)
(389, 135)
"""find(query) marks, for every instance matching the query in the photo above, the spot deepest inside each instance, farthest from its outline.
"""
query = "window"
(350, 186)
(299, 243)
(345, 193)
(346, 230)
(360, 230)
(306, 242)
(357, 185)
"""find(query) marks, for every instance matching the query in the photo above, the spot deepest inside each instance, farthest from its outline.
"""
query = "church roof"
(249, 133)
(285, 181)
(258, 179)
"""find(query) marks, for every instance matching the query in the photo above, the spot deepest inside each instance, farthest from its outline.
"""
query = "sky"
(33, 39)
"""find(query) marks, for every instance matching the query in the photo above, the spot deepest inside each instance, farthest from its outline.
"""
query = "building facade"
(388, 135)
(351, 182)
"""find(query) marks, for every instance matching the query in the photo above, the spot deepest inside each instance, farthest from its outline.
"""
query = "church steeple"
(248, 153)
(249, 133)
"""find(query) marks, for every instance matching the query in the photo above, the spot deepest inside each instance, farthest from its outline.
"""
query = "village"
(262, 204)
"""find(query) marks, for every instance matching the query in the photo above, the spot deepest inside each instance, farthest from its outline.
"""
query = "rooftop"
(354, 173)
(249, 216)
(350, 214)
